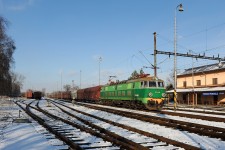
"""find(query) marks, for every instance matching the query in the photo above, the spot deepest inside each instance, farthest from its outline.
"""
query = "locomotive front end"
(155, 99)
(154, 94)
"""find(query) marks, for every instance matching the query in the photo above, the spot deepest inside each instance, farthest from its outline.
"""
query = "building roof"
(145, 77)
(202, 69)
(207, 89)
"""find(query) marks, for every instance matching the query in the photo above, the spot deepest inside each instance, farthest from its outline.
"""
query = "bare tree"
(17, 83)
(7, 48)
(170, 82)
(67, 87)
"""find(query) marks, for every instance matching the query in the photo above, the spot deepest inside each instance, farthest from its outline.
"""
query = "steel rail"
(49, 128)
(101, 132)
(210, 131)
(161, 138)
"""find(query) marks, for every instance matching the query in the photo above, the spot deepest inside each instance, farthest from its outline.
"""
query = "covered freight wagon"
(66, 95)
(61, 95)
(29, 94)
(37, 95)
(92, 93)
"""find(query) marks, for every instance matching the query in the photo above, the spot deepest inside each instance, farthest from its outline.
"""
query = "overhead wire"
(169, 41)
(198, 32)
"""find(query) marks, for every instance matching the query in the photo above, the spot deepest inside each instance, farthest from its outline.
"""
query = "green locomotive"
(147, 91)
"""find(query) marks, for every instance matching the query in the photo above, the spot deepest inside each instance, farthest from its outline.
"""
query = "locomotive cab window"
(145, 83)
(142, 84)
(160, 84)
(152, 84)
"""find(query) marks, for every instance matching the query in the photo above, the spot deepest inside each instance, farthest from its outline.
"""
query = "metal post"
(175, 55)
(19, 113)
(193, 90)
(80, 79)
(175, 62)
(100, 59)
(57, 87)
(61, 85)
(188, 98)
(155, 61)
(196, 99)
(193, 100)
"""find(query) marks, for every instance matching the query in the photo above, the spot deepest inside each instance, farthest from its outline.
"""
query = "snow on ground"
(21, 136)
(196, 113)
(182, 136)
(31, 136)
(197, 121)
(203, 108)
(133, 136)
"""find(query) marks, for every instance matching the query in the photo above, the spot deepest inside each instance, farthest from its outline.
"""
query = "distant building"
(202, 85)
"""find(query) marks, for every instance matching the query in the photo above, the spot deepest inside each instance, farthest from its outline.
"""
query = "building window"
(198, 82)
(184, 83)
(214, 81)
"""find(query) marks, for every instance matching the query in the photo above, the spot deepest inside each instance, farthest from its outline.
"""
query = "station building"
(204, 85)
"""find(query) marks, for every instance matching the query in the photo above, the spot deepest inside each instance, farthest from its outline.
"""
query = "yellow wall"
(206, 79)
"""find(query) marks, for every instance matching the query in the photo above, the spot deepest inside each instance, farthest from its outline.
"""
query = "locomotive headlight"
(163, 94)
(150, 94)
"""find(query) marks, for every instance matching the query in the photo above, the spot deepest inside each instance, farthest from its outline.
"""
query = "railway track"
(202, 107)
(205, 130)
(50, 124)
(75, 135)
(201, 111)
(110, 134)
(154, 140)
(100, 132)
(194, 116)
(70, 129)
(170, 111)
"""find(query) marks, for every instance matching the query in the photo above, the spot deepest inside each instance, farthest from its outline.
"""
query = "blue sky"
(60, 38)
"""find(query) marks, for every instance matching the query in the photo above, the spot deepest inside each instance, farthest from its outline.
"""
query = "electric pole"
(155, 61)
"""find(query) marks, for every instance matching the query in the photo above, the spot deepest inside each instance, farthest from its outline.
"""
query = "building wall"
(205, 78)
(190, 98)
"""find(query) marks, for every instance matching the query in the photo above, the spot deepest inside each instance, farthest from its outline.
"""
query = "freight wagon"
(61, 95)
(37, 95)
(29, 94)
(89, 94)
